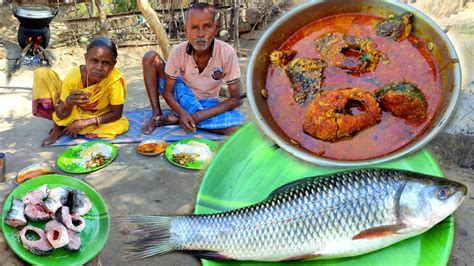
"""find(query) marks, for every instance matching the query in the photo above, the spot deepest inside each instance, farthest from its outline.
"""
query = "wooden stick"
(236, 23)
(156, 26)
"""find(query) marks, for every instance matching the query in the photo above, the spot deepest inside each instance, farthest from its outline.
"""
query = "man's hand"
(77, 97)
(75, 127)
(187, 122)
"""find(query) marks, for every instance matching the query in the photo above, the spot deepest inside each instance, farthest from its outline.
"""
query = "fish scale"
(294, 220)
(336, 215)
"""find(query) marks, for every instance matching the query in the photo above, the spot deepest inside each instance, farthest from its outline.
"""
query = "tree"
(155, 24)
(102, 16)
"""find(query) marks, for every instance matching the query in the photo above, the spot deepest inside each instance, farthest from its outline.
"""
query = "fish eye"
(443, 193)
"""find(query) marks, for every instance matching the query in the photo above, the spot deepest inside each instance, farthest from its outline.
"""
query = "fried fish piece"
(396, 28)
(329, 117)
(306, 74)
(355, 55)
(281, 58)
(403, 99)
(306, 77)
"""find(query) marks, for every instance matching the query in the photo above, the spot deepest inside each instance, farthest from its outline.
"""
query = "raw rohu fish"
(57, 197)
(37, 247)
(59, 194)
(36, 196)
(78, 202)
(62, 207)
(74, 241)
(16, 215)
(56, 233)
(51, 206)
(73, 222)
(337, 215)
(36, 213)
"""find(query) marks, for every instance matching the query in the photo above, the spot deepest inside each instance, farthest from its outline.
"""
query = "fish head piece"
(427, 200)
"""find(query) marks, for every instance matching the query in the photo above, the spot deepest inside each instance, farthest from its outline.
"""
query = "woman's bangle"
(97, 119)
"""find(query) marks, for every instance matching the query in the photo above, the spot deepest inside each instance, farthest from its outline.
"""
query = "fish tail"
(151, 236)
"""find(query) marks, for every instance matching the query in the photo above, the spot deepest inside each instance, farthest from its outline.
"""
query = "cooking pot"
(34, 16)
(425, 28)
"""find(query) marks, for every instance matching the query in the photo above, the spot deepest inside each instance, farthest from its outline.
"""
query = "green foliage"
(81, 10)
(124, 5)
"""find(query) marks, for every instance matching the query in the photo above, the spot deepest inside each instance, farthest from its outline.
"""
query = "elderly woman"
(89, 101)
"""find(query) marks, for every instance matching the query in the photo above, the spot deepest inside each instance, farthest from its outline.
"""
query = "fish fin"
(151, 233)
(380, 231)
(289, 185)
(212, 255)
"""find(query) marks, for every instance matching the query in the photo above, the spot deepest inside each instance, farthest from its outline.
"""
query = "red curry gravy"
(410, 60)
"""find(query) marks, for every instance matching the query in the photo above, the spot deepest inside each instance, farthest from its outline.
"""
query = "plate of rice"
(191, 153)
(87, 157)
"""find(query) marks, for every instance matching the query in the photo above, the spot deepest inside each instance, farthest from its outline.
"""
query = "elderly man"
(191, 79)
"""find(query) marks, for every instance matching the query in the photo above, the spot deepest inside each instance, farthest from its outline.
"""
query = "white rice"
(88, 153)
(204, 152)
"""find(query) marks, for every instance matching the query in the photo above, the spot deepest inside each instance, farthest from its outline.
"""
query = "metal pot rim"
(35, 12)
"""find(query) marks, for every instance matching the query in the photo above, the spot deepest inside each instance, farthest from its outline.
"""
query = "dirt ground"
(159, 187)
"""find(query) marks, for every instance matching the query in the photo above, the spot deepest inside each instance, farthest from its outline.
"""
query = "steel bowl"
(425, 28)
(151, 154)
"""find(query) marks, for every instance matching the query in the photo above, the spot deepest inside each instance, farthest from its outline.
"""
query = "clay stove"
(33, 34)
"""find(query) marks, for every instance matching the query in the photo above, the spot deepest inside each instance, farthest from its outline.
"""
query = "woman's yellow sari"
(48, 88)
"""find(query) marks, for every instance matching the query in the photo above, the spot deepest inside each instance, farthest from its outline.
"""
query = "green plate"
(66, 159)
(247, 168)
(93, 237)
(196, 164)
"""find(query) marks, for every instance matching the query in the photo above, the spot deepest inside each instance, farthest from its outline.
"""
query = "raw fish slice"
(57, 197)
(16, 215)
(78, 202)
(74, 241)
(73, 222)
(51, 205)
(38, 247)
(36, 213)
(78, 222)
(59, 194)
(36, 196)
(56, 234)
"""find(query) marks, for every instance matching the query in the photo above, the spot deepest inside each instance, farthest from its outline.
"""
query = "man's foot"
(149, 126)
(54, 134)
(159, 121)
(164, 120)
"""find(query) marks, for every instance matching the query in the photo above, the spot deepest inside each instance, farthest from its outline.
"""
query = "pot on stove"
(34, 24)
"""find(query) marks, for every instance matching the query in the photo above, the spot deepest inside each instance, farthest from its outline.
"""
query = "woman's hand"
(75, 127)
(77, 97)
(187, 122)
